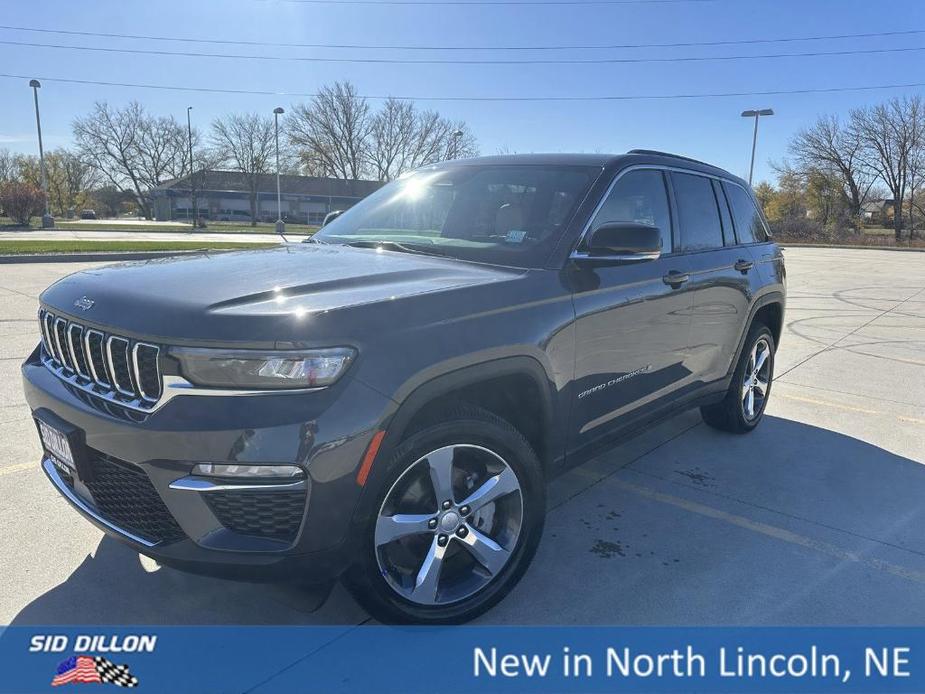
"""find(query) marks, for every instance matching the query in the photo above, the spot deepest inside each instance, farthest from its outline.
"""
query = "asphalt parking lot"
(818, 517)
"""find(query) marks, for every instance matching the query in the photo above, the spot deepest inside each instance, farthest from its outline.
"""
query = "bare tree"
(7, 166)
(916, 176)
(70, 179)
(404, 138)
(890, 134)
(438, 139)
(827, 145)
(332, 132)
(132, 149)
(246, 142)
(162, 150)
(393, 132)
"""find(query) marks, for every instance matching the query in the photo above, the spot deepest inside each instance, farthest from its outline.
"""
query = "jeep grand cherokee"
(386, 402)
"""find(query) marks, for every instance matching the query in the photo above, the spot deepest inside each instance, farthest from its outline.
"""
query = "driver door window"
(641, 197)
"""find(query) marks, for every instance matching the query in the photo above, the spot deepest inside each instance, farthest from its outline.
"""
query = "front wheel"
(455, 523)
(745, 401)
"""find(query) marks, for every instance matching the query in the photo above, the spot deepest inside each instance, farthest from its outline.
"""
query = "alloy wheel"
(757, 380)
(449, 524)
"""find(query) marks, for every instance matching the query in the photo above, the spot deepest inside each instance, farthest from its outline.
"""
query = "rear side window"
(729, 236)
(641, 197)
(698, 213)
(749, 225)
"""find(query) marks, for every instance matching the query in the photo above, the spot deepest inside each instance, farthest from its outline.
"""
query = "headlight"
(262, 370)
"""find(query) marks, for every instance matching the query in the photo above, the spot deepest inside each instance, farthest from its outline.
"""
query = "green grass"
(261, 228)
(6, 224)
(101, 225)
(75, 246)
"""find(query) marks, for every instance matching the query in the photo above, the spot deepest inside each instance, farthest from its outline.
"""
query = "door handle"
(744, 266)
(675, 279)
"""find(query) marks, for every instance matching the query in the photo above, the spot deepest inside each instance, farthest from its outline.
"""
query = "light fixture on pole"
(47, 220)
(756, 114)
(192, 177)
(280, 224)
(456, 136)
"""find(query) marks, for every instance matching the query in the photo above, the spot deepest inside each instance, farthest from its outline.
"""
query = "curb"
(102, 256)
(785, 246)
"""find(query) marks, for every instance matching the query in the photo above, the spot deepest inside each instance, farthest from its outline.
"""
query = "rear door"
(719, 273)
(631, 325)
(752, 232)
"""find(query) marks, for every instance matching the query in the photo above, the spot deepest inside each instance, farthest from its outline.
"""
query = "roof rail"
(668, 154)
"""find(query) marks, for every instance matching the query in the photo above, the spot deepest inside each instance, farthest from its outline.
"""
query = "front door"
(632, 321)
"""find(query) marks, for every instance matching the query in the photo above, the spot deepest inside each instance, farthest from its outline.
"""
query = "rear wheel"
(455, 524)
(742, 408)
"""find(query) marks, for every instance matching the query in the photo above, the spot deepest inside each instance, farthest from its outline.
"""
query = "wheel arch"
(769, 309)
(517, 389)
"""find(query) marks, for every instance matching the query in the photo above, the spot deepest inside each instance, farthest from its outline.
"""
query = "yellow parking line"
(10, 469)
(775, 532)
(849, 408)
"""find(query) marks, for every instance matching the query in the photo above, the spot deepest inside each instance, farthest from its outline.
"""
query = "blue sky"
(710, 129)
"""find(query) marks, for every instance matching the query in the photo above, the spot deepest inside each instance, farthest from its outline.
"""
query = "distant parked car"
(88, 214)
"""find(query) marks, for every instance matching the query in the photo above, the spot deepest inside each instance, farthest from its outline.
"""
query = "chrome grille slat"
(117, 369)
(61, 343)
(117, 359)
(76, 351)
(43, 328)
(95, 355)
(49, 321)
(148, 384)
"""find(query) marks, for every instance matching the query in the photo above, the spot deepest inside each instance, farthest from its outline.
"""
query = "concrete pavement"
(814, 518)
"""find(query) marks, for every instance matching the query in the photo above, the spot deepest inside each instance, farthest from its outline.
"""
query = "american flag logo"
(90, 669)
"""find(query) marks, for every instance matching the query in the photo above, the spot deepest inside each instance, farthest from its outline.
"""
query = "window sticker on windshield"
(515, 236)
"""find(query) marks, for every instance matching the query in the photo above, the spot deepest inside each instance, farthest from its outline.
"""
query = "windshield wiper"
(393, 246)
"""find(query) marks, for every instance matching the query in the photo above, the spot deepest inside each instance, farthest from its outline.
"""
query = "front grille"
(275, 515)
(110, 366)
(124, 495)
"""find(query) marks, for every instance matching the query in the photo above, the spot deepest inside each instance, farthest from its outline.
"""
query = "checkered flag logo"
(85, 669)
(110, 673)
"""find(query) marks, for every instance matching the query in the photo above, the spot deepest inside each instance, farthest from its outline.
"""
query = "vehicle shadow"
(791, 524)
(113, 586)
(638, 559)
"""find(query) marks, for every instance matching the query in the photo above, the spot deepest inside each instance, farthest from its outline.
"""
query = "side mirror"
(331, 216)
(624, 241)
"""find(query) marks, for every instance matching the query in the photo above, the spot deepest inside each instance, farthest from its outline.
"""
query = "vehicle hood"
(286, 296)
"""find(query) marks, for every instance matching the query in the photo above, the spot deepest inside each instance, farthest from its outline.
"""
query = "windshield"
(507, 215)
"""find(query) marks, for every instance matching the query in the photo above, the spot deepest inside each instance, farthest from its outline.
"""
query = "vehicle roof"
(612, 161)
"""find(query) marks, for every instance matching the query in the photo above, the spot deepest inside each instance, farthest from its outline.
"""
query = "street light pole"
(456, 135)
(192, 170)
(756, 114)
(47, 220)
(280, 224)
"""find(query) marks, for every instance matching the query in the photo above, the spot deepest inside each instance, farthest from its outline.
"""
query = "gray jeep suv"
(385, 403)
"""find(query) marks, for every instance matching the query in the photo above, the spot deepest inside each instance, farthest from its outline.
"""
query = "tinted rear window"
(698, 214)
(749, 225)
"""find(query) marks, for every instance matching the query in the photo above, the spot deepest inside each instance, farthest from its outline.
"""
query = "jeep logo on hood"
(84, 302)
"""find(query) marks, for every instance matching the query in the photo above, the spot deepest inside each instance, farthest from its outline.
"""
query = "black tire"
(730, 413)
(465, 425)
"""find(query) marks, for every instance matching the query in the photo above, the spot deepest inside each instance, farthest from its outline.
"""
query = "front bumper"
(240, 536)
